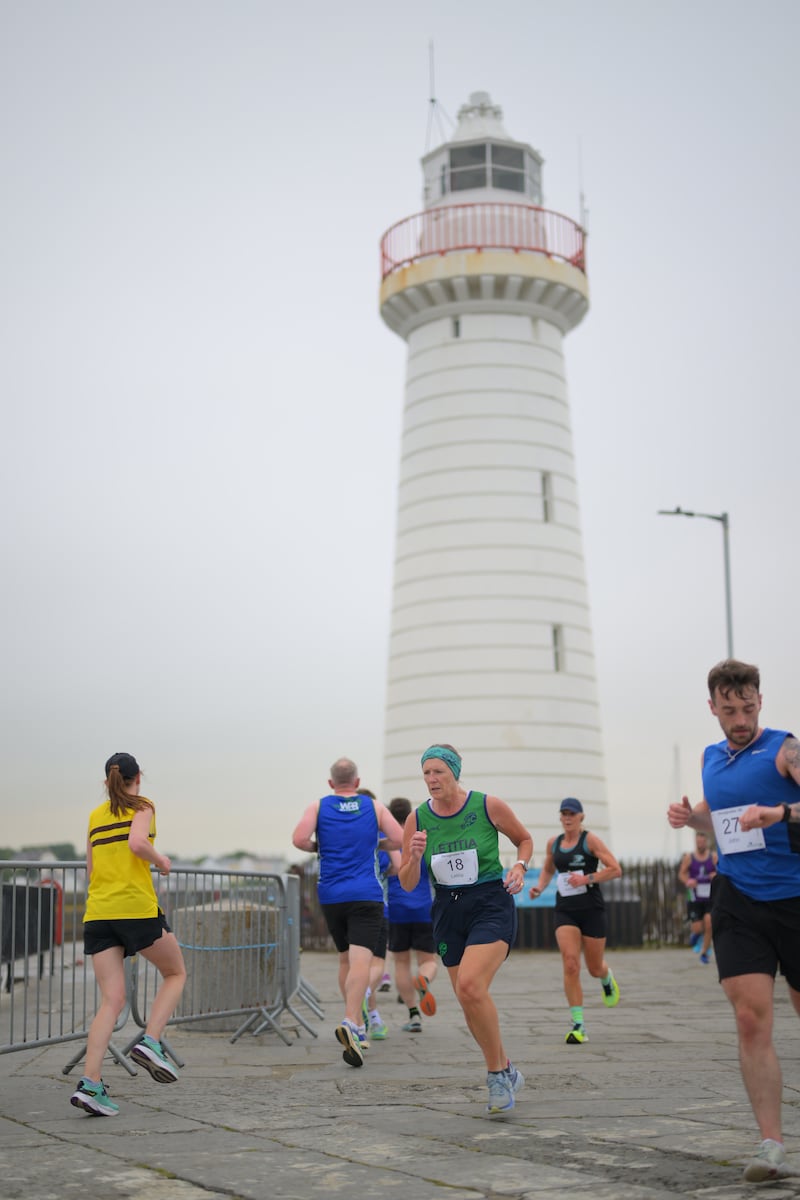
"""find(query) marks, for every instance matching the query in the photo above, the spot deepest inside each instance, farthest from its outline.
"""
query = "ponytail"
(120, 798)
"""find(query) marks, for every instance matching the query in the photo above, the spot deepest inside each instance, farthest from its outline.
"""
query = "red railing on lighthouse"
(522, 228)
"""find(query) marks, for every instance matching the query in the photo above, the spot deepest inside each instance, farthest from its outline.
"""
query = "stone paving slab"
(651, 1107)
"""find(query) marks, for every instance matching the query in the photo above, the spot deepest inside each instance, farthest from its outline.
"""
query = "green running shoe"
(576, 1035)
(611, 993)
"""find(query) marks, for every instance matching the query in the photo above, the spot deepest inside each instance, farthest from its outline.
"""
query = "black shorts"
(380, 945)
(354, 923)
(411, 935)
(755, 937)
(133, 935)
(697, 909)
(591, 921)
(472, 916)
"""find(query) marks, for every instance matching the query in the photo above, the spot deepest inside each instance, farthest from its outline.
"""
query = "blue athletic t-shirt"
(735, 779)
(406, 908)
(347, 837)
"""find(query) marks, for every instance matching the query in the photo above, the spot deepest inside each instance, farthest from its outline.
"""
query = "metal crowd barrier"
(240, 935)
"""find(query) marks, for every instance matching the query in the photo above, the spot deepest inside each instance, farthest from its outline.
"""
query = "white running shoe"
(768, 1162)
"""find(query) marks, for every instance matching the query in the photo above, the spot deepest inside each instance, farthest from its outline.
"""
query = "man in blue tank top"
(346, 828)
(751, 801)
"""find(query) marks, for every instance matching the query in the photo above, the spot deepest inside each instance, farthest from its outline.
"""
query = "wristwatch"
(591, 877)
(521, 863)
(787, 813)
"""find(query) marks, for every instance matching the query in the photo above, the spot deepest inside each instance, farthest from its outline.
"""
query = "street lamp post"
(723, 519)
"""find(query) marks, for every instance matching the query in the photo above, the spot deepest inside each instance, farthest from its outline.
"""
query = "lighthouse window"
(558, 648)
(547, 496)
(487, 164)
(467, 167)
(508, 170)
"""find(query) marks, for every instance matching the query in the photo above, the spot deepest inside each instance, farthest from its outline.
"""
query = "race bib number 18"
(452, 870)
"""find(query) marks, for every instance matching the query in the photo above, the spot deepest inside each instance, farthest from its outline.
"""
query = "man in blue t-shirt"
(346, 828)
(751, 801)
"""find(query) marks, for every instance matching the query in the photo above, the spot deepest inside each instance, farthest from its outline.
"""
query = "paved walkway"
(652, 1106)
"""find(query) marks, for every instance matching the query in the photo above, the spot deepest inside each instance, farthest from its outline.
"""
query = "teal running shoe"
(149, 1053)
(94, 1099)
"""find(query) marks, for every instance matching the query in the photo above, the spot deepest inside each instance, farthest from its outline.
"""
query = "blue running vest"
(752, 778)
(347, 836)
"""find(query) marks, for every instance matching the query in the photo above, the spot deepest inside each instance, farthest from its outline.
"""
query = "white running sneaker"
(768, 1162)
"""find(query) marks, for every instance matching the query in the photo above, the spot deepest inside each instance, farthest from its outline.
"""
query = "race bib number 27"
(731, 838)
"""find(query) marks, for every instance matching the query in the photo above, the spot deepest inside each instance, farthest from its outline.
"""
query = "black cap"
(128, 766)
(570, 804)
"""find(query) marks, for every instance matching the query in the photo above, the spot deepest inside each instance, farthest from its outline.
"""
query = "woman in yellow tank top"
(123, 918)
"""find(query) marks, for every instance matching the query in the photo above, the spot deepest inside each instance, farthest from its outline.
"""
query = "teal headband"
(450, 757)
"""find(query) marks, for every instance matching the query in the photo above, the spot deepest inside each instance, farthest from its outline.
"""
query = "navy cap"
(571, 805)
(128, 766)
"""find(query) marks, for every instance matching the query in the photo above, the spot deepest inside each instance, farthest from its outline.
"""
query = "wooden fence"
(646, 907)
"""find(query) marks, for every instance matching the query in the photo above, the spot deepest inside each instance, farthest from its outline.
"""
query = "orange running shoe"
(426, 1000)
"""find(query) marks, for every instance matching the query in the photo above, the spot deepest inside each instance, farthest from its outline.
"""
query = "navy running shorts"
(472, 916)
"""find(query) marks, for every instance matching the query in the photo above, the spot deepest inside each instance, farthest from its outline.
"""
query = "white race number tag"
(564, 886)
(731, 838)
(702, 891)
(454, 870)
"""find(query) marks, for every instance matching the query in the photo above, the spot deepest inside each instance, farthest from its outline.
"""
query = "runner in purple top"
(696, 871)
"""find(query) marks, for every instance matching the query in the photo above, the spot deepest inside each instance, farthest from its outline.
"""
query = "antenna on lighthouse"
(435, 110)
(581, 198)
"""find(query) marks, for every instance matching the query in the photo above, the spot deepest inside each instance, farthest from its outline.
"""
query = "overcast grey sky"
(202, 408)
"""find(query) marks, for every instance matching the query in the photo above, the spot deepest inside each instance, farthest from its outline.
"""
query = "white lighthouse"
(491, 640)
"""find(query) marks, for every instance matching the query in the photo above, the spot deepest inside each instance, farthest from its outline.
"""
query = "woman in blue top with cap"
(574, 856)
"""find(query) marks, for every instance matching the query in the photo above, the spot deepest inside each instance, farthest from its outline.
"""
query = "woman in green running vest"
(473, 913)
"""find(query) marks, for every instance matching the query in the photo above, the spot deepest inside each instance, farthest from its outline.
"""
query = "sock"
(375, 1017)
(607, 980)
(577, 1014)
(413, 1011)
